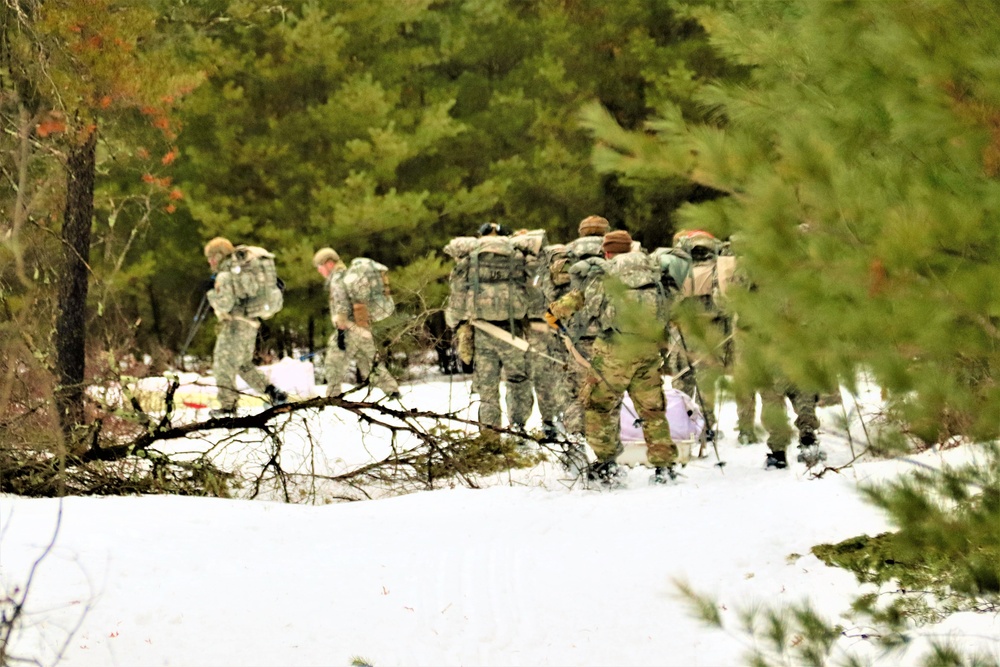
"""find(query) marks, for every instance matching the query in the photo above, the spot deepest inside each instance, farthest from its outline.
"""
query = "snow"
(531, 569)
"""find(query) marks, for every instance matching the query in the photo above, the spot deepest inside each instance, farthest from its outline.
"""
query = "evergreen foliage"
(860, 165)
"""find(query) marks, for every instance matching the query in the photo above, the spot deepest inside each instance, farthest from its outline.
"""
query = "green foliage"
(861, 166)
(478, 454)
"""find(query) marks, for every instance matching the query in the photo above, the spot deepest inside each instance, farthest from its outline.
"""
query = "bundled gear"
(255, 283)
(367, 285)
(675, 267)
(712, 265)
(488, 282)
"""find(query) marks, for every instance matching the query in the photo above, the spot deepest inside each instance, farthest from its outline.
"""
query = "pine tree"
(860, 165)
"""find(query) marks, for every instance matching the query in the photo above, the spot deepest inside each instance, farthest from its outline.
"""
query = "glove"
(552, 320)
(341, 340)
(361, 315)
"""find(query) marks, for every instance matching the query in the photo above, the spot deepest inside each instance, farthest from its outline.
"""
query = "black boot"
(776, 460)
(275, 395)
(663, 474)
(608, 474)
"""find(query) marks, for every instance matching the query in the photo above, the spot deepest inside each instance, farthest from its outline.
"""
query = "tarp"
(686, 420)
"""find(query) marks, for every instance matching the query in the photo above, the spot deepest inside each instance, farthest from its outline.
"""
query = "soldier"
(352, 338)
(487, 304)
(236, 334)
(583, 326)
(548, 358)
(632, 312)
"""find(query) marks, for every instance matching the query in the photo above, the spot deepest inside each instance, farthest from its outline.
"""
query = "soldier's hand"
(552, 320)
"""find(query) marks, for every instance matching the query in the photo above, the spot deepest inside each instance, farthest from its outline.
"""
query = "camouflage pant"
(233, 355)
(774, 414)
(549, 378)
(573, 418)
(619, 368)
(493, 358)
(752, 372)
(360, 348)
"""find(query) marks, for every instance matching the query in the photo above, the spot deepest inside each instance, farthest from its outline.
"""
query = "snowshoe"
(663, 475)
(607, 475)
(811, 455)
(776, 460)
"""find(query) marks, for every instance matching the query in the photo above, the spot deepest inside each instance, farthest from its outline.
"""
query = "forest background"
(850, 150)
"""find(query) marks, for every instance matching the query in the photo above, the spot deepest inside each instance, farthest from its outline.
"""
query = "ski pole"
(306, 357)
(199, 317)
(709, 433)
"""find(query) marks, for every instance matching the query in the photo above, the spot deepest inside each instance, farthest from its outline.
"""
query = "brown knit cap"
(594, 225)
(617, 242)
(220, 246)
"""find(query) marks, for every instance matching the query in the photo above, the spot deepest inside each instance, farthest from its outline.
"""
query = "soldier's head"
(616, 243)
(326, 261)
(218, 249)
(493, 229)
(594, 225)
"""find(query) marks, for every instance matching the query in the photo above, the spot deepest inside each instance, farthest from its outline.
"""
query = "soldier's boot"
(550, 431)
(776, 460)
(222, 413)
(663, 474)
(747, 438)
(275, 395)
(810, 454)
(607, 474)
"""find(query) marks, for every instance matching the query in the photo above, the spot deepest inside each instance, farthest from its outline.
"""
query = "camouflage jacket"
(222, 297)
(340, 303)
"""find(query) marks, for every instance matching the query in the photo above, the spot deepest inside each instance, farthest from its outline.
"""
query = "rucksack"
(675, 266)
(367, 282)
(585, 247)
(712, 267)
(489, 281)
(640, 276)
(259, 291)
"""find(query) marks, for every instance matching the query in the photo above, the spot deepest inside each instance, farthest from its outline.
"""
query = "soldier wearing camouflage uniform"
(549, 368)
(626, 357)
(236, 335)
(494, 359)
(582, 326)
(352, 338)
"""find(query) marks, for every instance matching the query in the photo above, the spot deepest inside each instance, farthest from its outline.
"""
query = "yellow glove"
(552, 320)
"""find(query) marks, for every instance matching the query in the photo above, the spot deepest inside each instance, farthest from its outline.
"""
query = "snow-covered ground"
(532, 569)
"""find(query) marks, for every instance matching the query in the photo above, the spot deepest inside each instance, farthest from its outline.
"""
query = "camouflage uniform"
(236, 337)
(584, 330)
(494, 360)
(489, 284)
(622, 360)
(550, 374)
(358, 343)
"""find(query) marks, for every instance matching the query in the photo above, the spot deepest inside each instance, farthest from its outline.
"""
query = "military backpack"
(367, 282)
(259, 292)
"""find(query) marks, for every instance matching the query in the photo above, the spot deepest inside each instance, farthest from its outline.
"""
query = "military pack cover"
(489, 282)
(255, 282)
(366, 281)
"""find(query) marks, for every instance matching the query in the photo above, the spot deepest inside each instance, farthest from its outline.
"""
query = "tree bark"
(72, 316)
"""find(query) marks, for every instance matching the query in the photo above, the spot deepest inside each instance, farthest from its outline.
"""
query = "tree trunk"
(72, 316)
